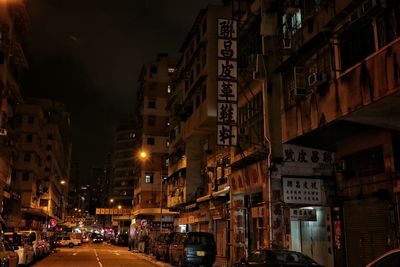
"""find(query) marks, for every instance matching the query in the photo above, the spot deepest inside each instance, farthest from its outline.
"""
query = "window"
(44, 202)
(291, 23)
(169, 89)
(151, 103)
(151, 141)
(203, 93)
(149, 178)
(27, 157)
(153, 69)
(388, 26)
(31, 119)
(25, 176)
(197, 101)
(29, 138)
(151, 121)
(204, 26)
(355, 45)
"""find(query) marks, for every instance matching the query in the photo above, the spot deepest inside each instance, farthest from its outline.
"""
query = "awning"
(154, 211)
(191, 206)
(34, 211)
(204, 198)
(221, 193)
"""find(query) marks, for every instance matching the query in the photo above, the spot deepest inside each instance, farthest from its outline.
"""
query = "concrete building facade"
(150, 193)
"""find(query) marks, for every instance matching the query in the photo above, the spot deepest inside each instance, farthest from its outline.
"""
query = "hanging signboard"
(227, 83)
(302, 191)
(303, 214)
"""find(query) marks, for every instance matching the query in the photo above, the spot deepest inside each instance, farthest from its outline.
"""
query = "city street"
(95, 255)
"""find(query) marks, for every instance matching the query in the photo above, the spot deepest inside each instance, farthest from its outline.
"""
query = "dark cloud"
(88, 54)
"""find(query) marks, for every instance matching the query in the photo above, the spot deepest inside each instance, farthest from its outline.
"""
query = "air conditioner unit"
(260, 68)
(312, 79)
(340, 166)
(367, 6)
(298, 88)
(317, 78)
(287, 43)
(219, 173)
(355, 15)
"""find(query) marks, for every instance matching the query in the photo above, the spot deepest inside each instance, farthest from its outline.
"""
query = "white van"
(39, 244)
(22, 245)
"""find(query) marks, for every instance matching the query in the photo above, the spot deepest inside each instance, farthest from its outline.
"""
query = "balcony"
(362, 96)
(202, 121)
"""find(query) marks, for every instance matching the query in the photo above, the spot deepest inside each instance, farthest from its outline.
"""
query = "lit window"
(149, 178)
(171, 70)
(169, 89)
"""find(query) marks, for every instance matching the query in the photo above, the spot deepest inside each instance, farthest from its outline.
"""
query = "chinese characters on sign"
(293, 153)
(227, 83)
(303, 214)
(103, 211)
(302, 191)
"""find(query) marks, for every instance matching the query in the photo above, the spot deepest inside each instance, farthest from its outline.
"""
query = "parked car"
(22, 246)
(193, 248)
(85, 239)
(8, 257)
(389, 259)
(66, 241)
(97, 239)
(122, 239)
(161, 245)
(275, 258)
(39, 244)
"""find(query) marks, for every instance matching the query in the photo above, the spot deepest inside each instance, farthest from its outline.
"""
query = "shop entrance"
(311, 237)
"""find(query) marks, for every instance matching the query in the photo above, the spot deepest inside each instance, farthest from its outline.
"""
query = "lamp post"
(143, 156)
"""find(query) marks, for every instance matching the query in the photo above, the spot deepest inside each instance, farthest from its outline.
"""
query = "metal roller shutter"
(366, 224)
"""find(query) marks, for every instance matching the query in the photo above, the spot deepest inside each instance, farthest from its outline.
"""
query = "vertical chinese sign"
(227, 83)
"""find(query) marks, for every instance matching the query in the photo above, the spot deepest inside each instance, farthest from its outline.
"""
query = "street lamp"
(144, 156)
(119, 207)
(111, 200)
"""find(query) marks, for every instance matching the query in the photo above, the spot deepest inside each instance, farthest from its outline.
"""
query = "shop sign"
(103, 211)
(298, 159)
(303, 214)
(243, 179)
(302, 191)
(165, 225)
(227, 83)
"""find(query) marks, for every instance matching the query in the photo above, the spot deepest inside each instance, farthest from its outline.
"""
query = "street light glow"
(143, 154)
(62, 182)
(119, 207)
(111, 200)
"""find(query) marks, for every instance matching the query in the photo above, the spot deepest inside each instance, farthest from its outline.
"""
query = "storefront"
(307, 186)
(309, 220)
(248, 209)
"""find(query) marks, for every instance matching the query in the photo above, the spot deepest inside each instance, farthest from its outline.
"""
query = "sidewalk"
(219, 262)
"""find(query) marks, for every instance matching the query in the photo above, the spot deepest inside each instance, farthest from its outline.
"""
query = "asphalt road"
(94, 255)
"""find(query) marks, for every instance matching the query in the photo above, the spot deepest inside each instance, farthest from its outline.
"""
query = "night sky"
(88, 54)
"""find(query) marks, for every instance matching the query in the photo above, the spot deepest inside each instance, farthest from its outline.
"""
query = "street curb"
(149, 259)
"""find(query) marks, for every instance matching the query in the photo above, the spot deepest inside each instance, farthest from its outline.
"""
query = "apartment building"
(14, 23)
(124, 170)
(151, 153)
(42, 165)
(197, 184)
(339, 85)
